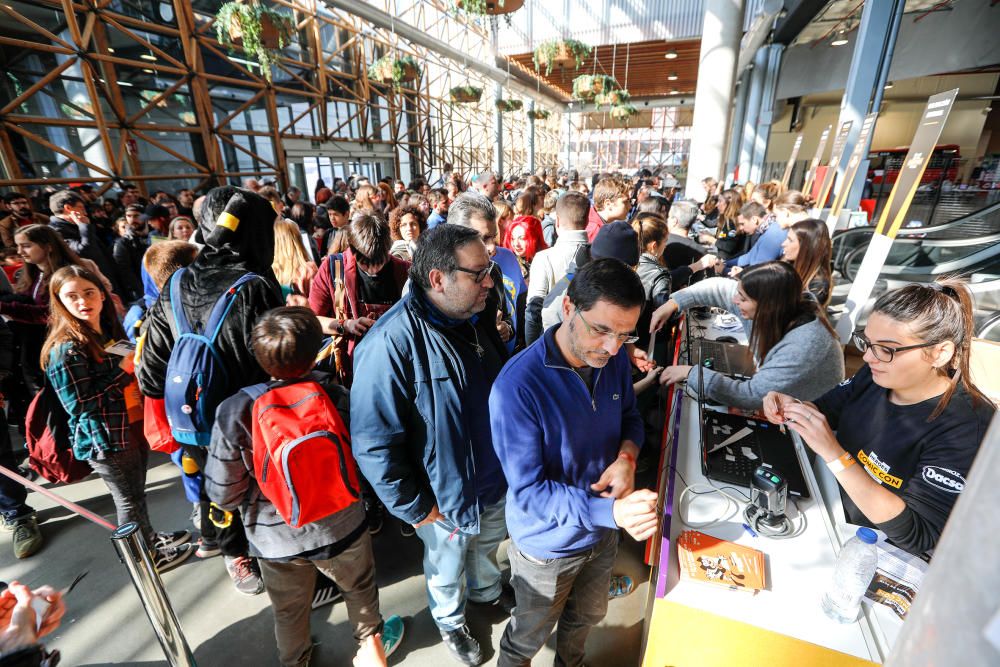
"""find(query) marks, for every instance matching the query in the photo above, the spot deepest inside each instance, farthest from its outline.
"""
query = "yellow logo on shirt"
(872, 465)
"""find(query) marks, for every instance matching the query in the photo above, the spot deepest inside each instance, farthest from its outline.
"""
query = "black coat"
(84, 241)
(128, 252)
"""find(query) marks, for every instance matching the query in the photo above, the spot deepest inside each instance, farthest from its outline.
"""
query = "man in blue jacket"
(420, 424)
(567, 432)
(766, 237)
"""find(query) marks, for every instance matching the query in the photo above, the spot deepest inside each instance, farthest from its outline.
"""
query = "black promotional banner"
(811, 174)
(791, 160)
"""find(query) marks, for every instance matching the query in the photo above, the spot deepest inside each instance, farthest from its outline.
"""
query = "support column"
(569, 137)
(497, 132)
(752, 114)
(736, 126)
(531, 136)
(765, 117)
(873, 47)
(720, 47)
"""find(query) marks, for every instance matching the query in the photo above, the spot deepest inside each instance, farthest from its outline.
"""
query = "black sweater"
(924, 463)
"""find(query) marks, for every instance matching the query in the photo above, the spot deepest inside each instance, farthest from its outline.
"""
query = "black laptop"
(728, 358)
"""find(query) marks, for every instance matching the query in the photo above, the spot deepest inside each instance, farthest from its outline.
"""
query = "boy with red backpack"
(281, 454)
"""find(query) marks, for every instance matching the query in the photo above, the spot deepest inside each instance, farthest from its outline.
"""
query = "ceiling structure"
(845, 15)
(641, 67)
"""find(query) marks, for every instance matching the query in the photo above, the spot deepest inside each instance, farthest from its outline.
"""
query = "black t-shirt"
(924, 463)
(679, 253)
(378, 289)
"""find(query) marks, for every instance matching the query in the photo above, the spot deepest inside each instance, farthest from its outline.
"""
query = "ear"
(567, 308)
(943, 355)
(437, 278)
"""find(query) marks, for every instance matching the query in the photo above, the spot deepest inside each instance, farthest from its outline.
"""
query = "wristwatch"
(339, 328)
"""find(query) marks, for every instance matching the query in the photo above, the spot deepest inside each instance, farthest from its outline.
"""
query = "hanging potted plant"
(560, 53)
(612, 97)
(623, 112)
(586, 86)
(539, 114)
(465, 94)
(506, 106)
(261, 31)
(488, 7)
(390, 69)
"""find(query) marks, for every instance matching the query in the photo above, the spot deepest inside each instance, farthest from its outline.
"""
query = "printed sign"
(791, 160)
(811, 174)
(831, 171)
(857, 155)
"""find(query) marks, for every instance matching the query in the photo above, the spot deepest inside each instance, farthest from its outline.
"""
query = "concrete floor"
(106, 625)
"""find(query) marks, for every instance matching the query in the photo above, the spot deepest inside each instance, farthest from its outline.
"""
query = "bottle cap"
(867, 535)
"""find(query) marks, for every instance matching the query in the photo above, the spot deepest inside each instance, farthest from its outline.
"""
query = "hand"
(653, 372)
(735, 271)
(432, 516)
(358, 327)
(639, 358)
(662, 315)
(296, 300)
(18, 620)
(370, 653)
(706, 262)
(774, 406)
(720, 266)
(127, 363)
(79, 218)
(674, 374)
(811, 425)
(636, 513)
(617, 480)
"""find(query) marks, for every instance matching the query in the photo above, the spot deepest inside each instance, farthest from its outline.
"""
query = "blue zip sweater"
(766, 248)
(554, 438)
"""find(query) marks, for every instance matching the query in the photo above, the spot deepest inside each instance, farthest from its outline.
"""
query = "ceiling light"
(148, 71)
(672, 77)
(674, 91)
(670, 55)
(110, 50)
(888, 85)
(841, 38)
(147, 56)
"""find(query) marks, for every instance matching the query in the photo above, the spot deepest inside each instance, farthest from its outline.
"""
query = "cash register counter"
(690, 624)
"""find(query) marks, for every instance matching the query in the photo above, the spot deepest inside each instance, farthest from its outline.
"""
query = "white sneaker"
(170, 557)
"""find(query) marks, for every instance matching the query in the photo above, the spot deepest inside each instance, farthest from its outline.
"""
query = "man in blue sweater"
(566, 431)
(766, 237)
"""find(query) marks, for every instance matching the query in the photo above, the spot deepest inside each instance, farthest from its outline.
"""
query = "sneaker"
(407, 529)
(196, 515)
(504, 601)
(463, 646)
(392, 634)
(374, 511)
(245, 574)
(326, 593)
(27, 472)
(621, 585)
(167, 558)
(168, 540)
(27, 537)
(207, 549)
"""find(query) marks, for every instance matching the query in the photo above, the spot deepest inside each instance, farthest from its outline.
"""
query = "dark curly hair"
(396, 215)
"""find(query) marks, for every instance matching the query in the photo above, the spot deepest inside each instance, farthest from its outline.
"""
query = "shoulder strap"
(176, 306)
(339, 287)
(224, 304)
(255, 391)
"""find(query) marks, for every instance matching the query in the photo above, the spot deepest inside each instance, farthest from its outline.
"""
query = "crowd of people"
(472, 358)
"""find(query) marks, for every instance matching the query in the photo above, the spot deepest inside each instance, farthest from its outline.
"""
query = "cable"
(732, 505)
(786, 530)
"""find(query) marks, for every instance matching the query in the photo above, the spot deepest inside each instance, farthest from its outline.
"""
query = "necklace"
(476, 346)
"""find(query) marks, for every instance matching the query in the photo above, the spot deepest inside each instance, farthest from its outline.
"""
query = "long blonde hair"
(290, 256)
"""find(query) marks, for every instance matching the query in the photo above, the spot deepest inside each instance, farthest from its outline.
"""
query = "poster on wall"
(831, 166)
(811, 174)
(791, 161)
(857, 155)
(894, 213)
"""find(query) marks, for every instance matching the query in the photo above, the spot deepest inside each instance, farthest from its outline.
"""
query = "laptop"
(751, 443)
(730, 359)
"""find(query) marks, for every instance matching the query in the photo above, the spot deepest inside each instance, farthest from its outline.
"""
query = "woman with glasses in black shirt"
(909, 423)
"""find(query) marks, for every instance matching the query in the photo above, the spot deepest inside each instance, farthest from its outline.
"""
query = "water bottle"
(855, 569)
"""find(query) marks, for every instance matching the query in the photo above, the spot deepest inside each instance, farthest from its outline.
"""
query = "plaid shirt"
(91, 394)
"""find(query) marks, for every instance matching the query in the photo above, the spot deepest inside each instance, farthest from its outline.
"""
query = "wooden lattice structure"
(655, 139)
(113, 91)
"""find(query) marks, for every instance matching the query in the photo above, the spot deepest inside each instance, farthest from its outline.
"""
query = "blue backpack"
(196, 380)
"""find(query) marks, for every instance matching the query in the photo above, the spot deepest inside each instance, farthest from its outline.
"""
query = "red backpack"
(302, 452)
(50, 450)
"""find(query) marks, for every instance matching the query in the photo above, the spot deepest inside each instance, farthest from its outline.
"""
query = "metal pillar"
(765, 117)
(752, 114)
(497, 132)
(870, 61)
(134, 554)
(531, 136)
(569, 137)
(720, 46)
(736, 126)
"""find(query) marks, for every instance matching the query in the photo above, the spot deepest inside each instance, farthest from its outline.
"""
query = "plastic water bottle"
(855, 569)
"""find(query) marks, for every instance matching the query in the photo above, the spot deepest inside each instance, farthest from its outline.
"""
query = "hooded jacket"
(128, 251)
(239, 240)
(84, 241)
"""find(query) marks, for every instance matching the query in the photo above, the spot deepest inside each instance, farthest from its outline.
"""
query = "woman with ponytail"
(808, 249)
(901, 435)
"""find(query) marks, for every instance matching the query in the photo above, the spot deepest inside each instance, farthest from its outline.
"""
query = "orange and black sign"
(791, 160)
(811, 174)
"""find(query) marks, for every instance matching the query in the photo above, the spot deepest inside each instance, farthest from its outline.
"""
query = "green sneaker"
(621, 585)
(27, 537)
(392, 634)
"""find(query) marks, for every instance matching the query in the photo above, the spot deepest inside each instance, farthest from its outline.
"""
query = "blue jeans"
(451, 560)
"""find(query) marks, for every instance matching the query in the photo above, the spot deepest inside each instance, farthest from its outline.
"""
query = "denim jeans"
(572, 591)
(290, 586)
(12, 494)
(124, 473)
(453, 560)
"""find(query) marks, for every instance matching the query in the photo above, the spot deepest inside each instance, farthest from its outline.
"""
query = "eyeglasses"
(883, 353)
(480, 275)
(622, 339)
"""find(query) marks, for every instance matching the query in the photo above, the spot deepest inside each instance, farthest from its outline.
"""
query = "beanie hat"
(617, 240)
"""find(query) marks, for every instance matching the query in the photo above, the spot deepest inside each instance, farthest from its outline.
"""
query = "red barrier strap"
(71, 506)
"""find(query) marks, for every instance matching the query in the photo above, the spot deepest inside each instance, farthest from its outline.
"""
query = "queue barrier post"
(134, 554)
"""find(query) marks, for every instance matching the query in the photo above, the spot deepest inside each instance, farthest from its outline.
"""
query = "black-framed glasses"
(883, 353)
(623, 339)
(480, 275)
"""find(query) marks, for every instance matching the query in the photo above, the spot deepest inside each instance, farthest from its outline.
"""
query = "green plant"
(465, 94)
(506, 106)
(587, 86)
(549, 52)
(390, 69)
(623, 111)
(475, 6)
(262, 31)
(612, 97)
(539, 114)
